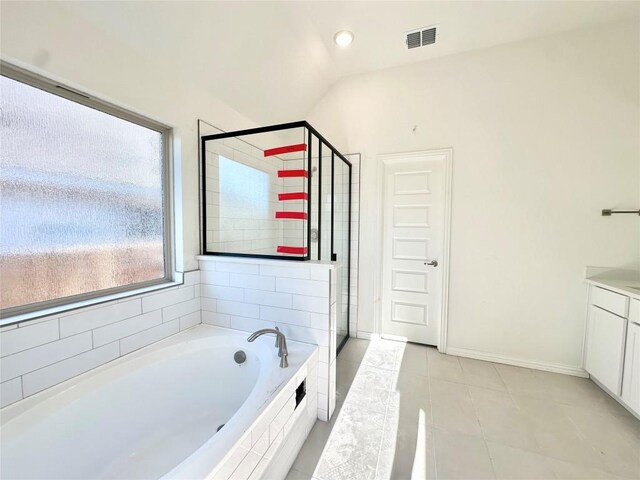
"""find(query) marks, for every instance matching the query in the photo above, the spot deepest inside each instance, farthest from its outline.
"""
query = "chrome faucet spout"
(281, 343)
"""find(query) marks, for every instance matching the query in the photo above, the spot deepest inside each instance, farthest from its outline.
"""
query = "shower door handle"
(432, 263)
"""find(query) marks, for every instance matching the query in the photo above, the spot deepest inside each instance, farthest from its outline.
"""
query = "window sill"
(65, 309)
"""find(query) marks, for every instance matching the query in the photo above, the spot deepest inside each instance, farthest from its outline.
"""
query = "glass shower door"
(341, 220)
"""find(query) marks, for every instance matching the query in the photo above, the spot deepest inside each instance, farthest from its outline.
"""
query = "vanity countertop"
(630, 288)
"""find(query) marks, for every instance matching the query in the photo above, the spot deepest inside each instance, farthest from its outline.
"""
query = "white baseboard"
(364, 335)
(492, 357)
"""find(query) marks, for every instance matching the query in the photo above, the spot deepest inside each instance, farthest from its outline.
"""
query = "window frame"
(54, 306)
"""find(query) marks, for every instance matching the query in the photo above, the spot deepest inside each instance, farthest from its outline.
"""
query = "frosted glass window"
(244, 191)
(81, 199)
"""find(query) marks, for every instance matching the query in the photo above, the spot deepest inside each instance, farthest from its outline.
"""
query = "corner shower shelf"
(292, 215)
(300, 147)
(292, 173)
(293, 196)
(292, 250)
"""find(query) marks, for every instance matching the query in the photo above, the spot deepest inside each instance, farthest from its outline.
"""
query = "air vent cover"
(421, 37)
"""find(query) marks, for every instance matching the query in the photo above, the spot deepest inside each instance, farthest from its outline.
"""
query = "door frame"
(446, 155)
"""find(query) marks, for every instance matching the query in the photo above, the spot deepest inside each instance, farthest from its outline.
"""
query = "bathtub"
(175, 409)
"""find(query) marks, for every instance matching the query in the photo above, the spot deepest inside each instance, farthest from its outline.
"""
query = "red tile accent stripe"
(292, 215)
(292, 173)
(301, 147)
(293, 250)
(293, 196)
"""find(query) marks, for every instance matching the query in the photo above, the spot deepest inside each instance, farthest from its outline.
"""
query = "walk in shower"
(278, 192)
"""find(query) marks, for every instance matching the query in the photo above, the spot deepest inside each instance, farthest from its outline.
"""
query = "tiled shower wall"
(297, 297)
(39, 354)
(245, 221)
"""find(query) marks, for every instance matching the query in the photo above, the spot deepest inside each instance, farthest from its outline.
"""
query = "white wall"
(52, 40)
(545, 134)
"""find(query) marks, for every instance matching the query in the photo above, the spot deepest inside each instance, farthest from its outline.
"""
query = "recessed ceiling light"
(343, 38)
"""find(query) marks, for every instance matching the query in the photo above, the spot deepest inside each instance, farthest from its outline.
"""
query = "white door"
(413, 228)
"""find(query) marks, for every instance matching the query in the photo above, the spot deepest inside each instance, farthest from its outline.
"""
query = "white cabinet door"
(605, 348)
(631, 376)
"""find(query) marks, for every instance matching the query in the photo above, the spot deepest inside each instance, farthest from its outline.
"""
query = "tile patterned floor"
(408, 412)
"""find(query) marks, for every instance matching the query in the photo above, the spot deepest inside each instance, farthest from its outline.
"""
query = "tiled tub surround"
(269, 447)
(297, 297)
(38, 354)
(137, 402)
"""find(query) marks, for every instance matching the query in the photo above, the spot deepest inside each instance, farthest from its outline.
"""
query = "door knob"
(432, 263)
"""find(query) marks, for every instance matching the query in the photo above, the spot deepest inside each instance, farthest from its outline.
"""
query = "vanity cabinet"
(612, 347)
(631, 378)
(605, 351)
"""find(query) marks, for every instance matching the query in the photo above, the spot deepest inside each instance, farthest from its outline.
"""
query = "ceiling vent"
(421, 37)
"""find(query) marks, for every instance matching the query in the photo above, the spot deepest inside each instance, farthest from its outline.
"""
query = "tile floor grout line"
(484, 438)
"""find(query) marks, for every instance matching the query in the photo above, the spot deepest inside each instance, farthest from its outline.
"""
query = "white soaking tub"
(151, 414)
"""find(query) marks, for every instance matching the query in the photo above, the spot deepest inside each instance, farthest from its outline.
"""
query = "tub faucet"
(281, 343)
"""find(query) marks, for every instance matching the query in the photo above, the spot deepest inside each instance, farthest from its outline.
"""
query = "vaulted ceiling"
(272, 61)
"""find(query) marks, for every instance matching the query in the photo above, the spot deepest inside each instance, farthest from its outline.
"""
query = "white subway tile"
(224, 471)
(214, 278)
(246, 466)
(59, 372)
(272, 299)
(262, 444)
(98, 317)
(206, 265)
(164, 299)
(147, 337)
(284, 315)
(319, 321)
(281, 418)
(320, 274)
(311, 288)
(310, 304)
(223, 293)
(10, 392)
(248, 324)
(238, 308)
(190, 320)
(305, 334)
(215, 318)
(208, 304)
(43, 355)
(276, 443)
(256, 282)
(297, 413)
(180, 309)
(191, 278)
(124, 328)
(18, 339)
(286, 272)
(250, 268)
